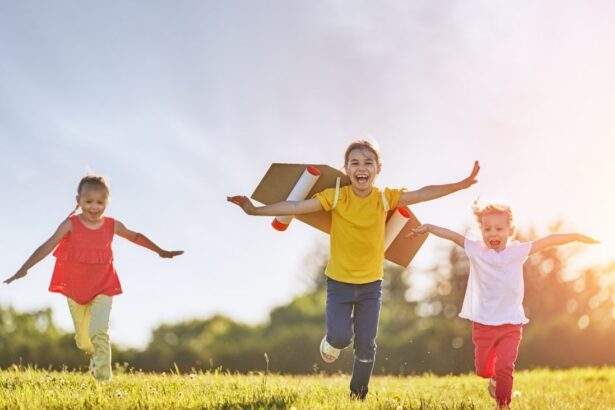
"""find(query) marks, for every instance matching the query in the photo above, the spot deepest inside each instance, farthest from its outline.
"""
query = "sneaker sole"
(323, 355)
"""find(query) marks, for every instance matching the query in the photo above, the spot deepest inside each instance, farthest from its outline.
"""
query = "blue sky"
(179, 104)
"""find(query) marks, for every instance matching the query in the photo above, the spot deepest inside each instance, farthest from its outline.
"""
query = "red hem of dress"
(111, 292)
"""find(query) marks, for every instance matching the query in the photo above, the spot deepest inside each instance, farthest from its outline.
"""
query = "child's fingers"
(472, 178)
(588, 239)
(233, 199)
(416, 231)
(237, 199)
(170, 254)
(9, 280)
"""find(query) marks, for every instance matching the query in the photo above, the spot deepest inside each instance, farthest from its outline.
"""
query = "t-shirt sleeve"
(472, 248)
(519, 250)
(326, 198)
(393, 195)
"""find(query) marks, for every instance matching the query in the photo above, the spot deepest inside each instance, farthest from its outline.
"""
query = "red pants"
(495, 353)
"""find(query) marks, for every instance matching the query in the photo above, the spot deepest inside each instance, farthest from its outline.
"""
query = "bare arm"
(42, 251)
(277, 209)
(559, 239)
(436, 191)
(440, 232)
(142, 240)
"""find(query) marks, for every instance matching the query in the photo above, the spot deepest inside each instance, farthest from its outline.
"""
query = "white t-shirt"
(494, 295)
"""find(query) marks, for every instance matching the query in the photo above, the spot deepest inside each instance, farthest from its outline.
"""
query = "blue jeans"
(355, 310)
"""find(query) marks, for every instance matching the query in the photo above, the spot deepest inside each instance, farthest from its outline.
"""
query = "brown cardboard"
(280, 179)
(402, 250)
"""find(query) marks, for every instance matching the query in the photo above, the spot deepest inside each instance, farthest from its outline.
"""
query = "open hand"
(419, 230)
(169, 254)
(20, 274)
(243, 202)
(471, 180)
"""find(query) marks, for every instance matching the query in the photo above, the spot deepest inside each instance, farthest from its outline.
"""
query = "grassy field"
(537, 389)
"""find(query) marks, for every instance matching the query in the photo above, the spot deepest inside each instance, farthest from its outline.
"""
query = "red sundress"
(84, 263)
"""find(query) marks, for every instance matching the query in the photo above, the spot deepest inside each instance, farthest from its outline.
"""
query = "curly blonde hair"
(480, 210)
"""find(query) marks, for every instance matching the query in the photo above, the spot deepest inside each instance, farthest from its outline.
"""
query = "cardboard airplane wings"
(300, 181)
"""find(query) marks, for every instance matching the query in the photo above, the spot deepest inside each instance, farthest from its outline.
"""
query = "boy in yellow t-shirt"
(354, 272)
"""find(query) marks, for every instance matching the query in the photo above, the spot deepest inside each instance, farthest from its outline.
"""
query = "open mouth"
(362, 179)
(495, 243)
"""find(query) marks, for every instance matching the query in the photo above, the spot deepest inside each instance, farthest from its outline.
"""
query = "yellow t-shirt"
(357, 233)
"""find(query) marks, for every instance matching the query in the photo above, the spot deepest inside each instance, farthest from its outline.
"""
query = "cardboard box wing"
(280, 179)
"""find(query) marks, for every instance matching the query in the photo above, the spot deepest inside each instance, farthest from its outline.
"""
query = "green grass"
(26, 388)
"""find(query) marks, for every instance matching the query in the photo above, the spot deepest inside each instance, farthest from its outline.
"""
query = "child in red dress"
(84, 271)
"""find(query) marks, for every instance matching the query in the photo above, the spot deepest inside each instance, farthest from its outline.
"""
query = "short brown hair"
(92, 182)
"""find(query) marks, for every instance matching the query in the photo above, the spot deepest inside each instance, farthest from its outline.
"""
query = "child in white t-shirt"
(494, 294)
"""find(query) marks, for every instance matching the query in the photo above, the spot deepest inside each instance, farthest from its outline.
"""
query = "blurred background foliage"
(571, 313)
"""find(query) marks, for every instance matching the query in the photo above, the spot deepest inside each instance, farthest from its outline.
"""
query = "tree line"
(571, 324)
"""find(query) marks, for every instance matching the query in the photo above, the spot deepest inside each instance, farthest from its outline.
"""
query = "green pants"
(92, 333)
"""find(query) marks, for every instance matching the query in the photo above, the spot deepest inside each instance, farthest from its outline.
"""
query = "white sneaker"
(328, 353)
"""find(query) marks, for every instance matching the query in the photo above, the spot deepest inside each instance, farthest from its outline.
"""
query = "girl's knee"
(85, 347)
(339, 341)
(84, 344)
(484, 367)
(484, 372)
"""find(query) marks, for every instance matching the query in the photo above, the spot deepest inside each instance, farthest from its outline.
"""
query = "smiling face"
(362, 168)
(93, 202)
(496, 229)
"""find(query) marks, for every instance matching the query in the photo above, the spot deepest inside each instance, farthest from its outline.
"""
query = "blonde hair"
(481, 210)
(362, 144)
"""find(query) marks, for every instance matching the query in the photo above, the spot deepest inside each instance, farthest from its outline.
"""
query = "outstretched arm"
(436, 191)
(277, 209)
(142, 240)
(559, 239)
(42, 251)
(438, 231)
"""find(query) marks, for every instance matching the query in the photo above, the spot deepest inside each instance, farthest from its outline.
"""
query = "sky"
(179, 104)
